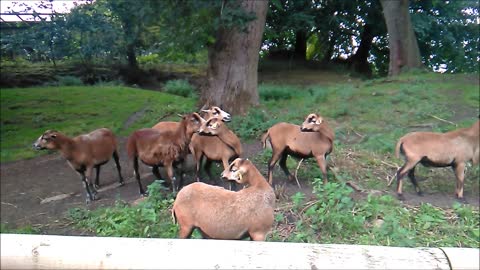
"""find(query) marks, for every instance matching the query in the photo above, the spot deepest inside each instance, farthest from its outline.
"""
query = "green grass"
(27, 112)
(379, 220)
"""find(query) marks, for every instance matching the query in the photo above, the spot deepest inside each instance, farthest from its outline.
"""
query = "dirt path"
(38, 192)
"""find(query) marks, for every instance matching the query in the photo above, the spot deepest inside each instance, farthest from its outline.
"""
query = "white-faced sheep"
(216, 142)
(450, 149)
(313, 139)
(214, 111)
(83, 153)
(155, 148)
(223, 214)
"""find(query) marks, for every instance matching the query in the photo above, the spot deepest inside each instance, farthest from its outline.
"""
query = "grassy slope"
(368, 117)
(26, 113)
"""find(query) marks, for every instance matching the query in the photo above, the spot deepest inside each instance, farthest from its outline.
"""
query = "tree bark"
(300, 45)
(404, 51)
(233, 63)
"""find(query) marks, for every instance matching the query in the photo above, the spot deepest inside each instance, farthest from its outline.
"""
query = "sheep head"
(211, 127)
(312, 122)
(193, 122)
(237, 170)
(216, 112)
(47, 140)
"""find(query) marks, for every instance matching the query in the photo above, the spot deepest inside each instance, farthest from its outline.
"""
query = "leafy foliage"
(379, 220)
(150, 218)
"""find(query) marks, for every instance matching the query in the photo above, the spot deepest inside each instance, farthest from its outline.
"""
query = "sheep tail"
(264, 138)
(397, 148)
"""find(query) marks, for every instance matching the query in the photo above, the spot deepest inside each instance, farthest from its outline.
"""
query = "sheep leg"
(401, 173)
(208, 169)
(170, 176)
(322, 163)
(156, 172)
(137, 176)
(97, 180)
(119, 169)
(198, 158)
(459, 170)
(185, 231)
(271, 164)
(283, 165)
(257, 236)
(91, 192)
(411, 175)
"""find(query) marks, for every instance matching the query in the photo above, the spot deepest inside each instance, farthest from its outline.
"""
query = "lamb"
(83, 153)
(450, 149)
(217, 143)
(223, 214)
(313, 139)
(167, 149)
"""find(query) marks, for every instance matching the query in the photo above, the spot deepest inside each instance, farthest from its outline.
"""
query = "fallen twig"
(354, 186)
(443, 120)
(390, 180)
(296, 171)
(6, 203)
(390, 165)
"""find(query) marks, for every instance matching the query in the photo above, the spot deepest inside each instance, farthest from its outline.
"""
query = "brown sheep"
(313, 139)
(223, 214)
(166, 149)
(216, 142)
(450, 149)
(83, 153)
(169, 126)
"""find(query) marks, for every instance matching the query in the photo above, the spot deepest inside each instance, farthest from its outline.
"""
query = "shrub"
(179, 88)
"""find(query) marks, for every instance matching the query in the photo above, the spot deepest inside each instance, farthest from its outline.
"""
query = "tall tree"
(404, 51)
(233, 60)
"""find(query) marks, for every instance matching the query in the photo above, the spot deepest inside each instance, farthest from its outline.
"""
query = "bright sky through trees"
(59, 6)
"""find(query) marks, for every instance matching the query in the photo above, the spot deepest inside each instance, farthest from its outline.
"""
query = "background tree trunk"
(300, 45)
(233, 63)
(359, 61)
(404, 51)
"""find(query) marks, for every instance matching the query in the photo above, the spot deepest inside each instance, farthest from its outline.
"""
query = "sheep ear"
(53, 136)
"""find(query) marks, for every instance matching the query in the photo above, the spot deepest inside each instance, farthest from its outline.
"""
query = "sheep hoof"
(144, 194)
(401, 197)
(420, 193)
(121, 183)
(96, 186)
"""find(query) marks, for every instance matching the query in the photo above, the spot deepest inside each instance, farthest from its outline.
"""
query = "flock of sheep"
(228, 214)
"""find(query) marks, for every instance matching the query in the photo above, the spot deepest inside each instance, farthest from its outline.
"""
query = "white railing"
(77, 252)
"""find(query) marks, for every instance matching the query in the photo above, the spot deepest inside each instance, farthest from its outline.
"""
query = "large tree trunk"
(359, 61)
(131, 57)
(233, 64)
(300, 45)
(404, 51)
